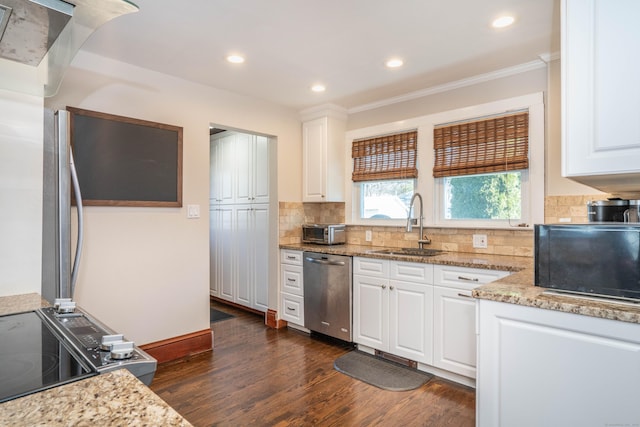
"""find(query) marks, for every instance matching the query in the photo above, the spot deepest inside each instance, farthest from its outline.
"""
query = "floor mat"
(217, 315)
(381, 373)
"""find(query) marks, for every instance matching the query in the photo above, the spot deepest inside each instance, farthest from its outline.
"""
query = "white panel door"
(411, 320)
(222, 246)
(244, 255)
(314, 148)
(260, 235)
(261, 178)
(454, 335)
(371, 312)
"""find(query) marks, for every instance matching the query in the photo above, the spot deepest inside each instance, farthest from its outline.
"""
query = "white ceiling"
(291, 44)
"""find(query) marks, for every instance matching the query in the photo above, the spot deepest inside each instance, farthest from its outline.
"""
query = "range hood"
(39, 38)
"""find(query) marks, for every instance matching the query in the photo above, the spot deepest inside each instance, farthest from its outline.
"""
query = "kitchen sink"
(407, 252)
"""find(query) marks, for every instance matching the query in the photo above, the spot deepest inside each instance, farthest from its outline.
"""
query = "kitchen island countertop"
(517, 288)
(116, 398)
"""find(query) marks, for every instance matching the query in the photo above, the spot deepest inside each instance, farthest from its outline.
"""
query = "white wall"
(145, 271)
(21, 127)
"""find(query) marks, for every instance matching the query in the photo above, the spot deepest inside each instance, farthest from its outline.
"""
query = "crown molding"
(481, 78)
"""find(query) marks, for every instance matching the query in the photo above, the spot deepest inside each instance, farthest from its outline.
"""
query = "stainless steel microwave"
(601, 259)
(324, 234)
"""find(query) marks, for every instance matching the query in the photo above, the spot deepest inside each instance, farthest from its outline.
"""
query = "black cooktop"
(32, 358)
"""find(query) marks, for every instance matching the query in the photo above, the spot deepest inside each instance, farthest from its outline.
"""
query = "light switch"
(193, 211)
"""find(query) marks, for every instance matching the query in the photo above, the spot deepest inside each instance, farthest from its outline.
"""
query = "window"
(384, 168)
(480, 167)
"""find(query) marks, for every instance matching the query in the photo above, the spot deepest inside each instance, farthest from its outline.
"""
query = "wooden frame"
(123, 161)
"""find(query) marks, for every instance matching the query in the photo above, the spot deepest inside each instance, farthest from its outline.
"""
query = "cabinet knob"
(383, 286)
(391, 287)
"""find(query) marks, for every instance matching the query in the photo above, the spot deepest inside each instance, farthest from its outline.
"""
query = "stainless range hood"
(39, 38)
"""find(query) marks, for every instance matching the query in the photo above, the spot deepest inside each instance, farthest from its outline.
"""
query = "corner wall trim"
(180, 346)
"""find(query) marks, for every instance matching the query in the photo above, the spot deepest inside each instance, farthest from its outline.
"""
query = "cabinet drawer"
(292, 279)
(464, 277)
(411, 272)
(292, 309)
(288, 256)
(371, 267)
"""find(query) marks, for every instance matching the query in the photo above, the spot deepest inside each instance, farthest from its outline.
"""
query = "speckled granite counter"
(116, 398)
(517, 288)
(20, 303)
(461, 259)
(113, 399)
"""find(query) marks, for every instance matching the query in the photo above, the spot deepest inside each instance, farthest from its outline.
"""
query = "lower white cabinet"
(393, 307)
(239, 254)
(454, 316)
(291, 287)
(541, 367)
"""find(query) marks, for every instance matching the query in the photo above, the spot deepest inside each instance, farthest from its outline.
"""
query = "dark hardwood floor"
(259, 376)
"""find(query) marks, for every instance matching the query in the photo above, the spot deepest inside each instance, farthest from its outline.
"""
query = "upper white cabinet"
(240, 168)
(601, 94)
(323, 156)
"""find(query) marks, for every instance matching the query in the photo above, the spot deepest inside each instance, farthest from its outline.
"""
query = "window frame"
(533, 205)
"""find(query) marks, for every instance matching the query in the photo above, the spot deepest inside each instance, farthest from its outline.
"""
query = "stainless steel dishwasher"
(328, 294)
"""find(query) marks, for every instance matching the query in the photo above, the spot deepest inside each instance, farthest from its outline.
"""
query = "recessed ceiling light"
(235, 59)
(394, 63)
(503, 21)
(318, 88)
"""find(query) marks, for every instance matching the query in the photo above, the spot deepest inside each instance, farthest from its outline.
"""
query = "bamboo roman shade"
(385, 157)
(496, 144)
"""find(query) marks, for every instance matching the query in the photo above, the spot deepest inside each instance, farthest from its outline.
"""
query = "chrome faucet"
(422, 239)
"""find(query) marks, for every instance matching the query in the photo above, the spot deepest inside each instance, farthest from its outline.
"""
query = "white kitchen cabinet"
(393, 307)
(454, 316)
(291, 287)
(601, 94)
(239, 168)
(540, 367)
(221, 251)
(323, 159)
(240, 219)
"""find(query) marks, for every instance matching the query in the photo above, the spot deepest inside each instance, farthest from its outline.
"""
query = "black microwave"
(601, 259)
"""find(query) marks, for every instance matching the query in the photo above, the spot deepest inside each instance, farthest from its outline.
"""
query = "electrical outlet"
(480, 241)
(367, 235)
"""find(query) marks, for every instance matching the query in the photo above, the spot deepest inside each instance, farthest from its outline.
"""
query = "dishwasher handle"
(323, 261)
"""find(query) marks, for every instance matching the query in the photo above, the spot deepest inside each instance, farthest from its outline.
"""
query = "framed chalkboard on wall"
(122, 161)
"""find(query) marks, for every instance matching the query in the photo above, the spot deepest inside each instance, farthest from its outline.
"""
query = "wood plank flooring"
(257, 376)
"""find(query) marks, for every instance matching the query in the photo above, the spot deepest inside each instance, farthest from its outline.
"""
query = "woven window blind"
(385, 157)
(497, 144)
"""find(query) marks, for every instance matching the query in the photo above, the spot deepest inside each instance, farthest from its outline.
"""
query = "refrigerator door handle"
(78, 196)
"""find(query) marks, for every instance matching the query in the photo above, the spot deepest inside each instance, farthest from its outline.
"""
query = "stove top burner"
(32, 358)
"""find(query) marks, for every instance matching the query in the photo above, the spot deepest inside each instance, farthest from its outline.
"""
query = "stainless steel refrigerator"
(59, 267)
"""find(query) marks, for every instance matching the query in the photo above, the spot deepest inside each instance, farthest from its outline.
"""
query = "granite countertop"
(517, 288)
(460, 259)
(21, 303)
(116, 398)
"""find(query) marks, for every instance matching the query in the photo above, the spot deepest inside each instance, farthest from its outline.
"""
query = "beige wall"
(145, 271)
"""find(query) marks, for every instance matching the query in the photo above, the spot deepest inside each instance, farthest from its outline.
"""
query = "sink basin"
(407, 252)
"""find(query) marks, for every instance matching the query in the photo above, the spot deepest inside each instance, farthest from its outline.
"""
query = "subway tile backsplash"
(500, 242)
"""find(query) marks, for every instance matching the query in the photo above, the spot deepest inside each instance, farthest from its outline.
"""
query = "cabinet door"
(547, 368)
(222, 245)
(244, 254)
(454, 341)
(314, 160)
(260, 235)
(601, 96)
(261, 179)
(371, 312)
(243, 168)
(411, 320)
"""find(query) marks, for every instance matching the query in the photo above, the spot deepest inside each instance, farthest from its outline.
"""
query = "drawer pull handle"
(291, 309)
(289, 279)
(460, 294)
(469, 279)
(291, 257)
